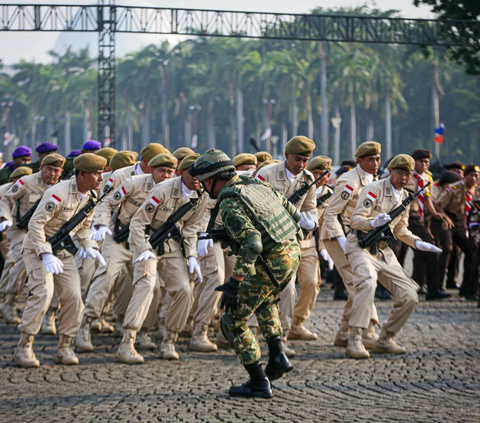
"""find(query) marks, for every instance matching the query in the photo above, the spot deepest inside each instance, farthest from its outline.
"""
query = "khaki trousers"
(367, 269)
(172, 268)
(308, 274)
(5, 251)
(343, 266)
(41, 285)
(17, 274)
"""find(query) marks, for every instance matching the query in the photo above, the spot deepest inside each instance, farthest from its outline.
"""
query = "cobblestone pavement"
(438, 380)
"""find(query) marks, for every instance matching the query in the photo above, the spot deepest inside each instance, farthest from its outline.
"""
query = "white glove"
(146, 255)
(327, 258)
(342, 241)
(203, 246)
(95, 254)
(193, 266)
(5, 224)
(82, 254)
(306, 221)
(92, 231)
(426, 246)
(100, 233)
(52, 264)
(380, 220)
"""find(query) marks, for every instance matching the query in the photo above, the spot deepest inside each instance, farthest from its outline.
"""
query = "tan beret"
(107, 153)
(151, 150)
(320, 162)
(163, 159)
(21, 171)
(245, 159)
(369, 148)
(89, 162)
(54, 159)
(265, 163)
(123, 159)
(188, 160)
(403, 162)
(263, 156)
(182, 152)
(300, 145)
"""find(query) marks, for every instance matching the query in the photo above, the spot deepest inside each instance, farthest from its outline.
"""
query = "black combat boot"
(278, 363)
(257, 387)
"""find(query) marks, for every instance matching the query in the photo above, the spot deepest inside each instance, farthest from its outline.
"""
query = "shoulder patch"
(50, 206)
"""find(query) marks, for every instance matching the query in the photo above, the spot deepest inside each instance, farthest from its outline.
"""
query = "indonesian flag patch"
(347, 191)
(153, 203)
(261, 178)
(56, 200)
(19, 184)
(371, 196)
(109, 182)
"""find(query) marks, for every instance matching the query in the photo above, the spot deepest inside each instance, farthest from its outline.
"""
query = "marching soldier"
(288, 177)
(163, 200)
(42, 150)
(456, 201)
(336, 226)
(263, 156)
(181, 153)
(374, 204)
(261, 221)
(116, 213)
(13, 206)
(20, 156)
(45, 270)
(443, 183)
(91, 146)
(457, 167)
(107, 153)
(425, 265)
(246, 163)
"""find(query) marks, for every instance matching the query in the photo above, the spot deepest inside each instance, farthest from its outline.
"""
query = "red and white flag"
(371, 196)
(55, 199)
(348, 189)
(123, 192)
(20, 183)
(155, 201)
(109, 182)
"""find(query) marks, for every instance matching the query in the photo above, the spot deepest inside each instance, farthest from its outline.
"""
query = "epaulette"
(455, 185)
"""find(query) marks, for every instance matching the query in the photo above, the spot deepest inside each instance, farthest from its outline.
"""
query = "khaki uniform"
(5, 250)
(120, 206)
(321, 210)
(309, 270)
(58, 205)
(384, 266)
(162, 201)
(343, 202)
(14, 204)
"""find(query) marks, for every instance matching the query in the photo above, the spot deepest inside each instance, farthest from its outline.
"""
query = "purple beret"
(46, 147)
(92, 145)
(21, 151)
(74, 153)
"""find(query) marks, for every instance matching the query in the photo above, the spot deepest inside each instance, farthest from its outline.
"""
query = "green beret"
(369, 148)
(107, 153)
(245, 159)
(123, 159)
(300, 145)
(21, 171)
(182, 152)
(188, 160)
(89, 162)
(151, 150)
(54, 159)
(163, 159)
(422, 153)
(320, 162)
(403, 162)
(263, 156)
(471, 168)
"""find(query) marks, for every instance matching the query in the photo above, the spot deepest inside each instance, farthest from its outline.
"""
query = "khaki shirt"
(58, 205)
(163, 200)
(4, 188)
(348, 188)
(436, 191)
(321, 210)
(130, 195)
(374, 200)
(453, 199)
(21, 197)
(276, 176)
(413, 186)
(211, 203)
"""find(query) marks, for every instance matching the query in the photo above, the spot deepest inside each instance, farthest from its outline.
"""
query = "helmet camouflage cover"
(210, 163)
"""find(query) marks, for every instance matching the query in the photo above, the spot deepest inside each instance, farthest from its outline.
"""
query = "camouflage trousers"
(258, 295)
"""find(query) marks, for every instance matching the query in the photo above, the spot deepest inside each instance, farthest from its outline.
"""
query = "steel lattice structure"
(106, 18)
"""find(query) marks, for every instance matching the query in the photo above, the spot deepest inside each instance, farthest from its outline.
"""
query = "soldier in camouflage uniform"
(258, 220)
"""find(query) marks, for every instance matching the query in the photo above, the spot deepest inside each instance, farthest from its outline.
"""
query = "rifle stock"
(23, 222)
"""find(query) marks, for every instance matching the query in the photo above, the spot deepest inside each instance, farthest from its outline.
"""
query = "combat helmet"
(211, 163)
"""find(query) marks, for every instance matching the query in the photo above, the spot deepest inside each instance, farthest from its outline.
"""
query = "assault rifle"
(323, 198)
(23, 222)
(169, 229)
(302, 191)
(62, 239)
(371, 238)
(220, 234)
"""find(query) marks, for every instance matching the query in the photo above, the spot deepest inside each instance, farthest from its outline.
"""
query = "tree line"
(227, 91)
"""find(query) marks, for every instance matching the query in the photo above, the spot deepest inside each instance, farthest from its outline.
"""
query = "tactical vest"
(271, 219)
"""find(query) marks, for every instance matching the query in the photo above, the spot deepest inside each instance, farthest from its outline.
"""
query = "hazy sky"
(34, 46)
